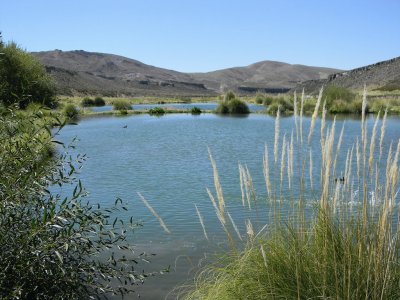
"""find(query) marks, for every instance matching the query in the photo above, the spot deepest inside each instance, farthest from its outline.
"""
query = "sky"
(207, 35)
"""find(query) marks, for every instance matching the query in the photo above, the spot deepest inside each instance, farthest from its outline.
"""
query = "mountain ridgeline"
(80, 72)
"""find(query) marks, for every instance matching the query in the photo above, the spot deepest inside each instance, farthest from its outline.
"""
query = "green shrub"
(268, 100)
(71, 111)
(195, 111)
(86, 102)
(156, 111)
(232, 105)
(55, 246)
(260, 99)
(122, 104)
(99, 101)
(334, 93)
(23, 79)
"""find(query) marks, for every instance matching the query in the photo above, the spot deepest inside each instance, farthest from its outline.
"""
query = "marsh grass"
(336, 247)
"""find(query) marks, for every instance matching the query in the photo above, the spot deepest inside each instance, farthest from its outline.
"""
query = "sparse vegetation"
(232, 105)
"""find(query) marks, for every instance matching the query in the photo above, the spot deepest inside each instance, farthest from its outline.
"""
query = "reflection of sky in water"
(166, 160)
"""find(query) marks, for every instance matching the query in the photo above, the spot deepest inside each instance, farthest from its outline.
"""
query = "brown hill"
(384, 75)
(81, 72)
(266, 75)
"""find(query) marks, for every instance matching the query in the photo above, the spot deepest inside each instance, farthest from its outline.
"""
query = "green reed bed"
(345, 249)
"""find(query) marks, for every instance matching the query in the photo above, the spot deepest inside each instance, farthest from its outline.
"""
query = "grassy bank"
(344, 244)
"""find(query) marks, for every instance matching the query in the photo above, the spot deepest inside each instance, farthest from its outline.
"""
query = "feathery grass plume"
(315, 115)
(217, 211)
(383, 127)
(323, 119)
(295, 112)
(241, 179)
(290, 160)
(266, 172)
(358, 158)
(264, 256)
(250, 187)
(249, 229)
(234, 226)
(154, 213)
(339, 144)
(276, 138)
(301, 116)
(201, 222)
(283, 159)
(372, 142)
(311, 170)
(218, 188)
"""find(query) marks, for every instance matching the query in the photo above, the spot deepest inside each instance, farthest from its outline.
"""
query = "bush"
(195, 111)
(334, 93)
(86, 102)
(232, 105)
(156, 111)
(53, 246)
(71, 111)
(99, 101)
(260, 99)
(23, 79)
(122, 104)
(268, 100)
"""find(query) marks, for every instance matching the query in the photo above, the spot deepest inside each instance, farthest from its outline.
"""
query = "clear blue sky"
(205, 35)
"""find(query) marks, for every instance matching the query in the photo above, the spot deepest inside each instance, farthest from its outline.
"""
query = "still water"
(166, 160)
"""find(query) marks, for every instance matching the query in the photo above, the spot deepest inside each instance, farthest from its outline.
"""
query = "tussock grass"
(342, 248)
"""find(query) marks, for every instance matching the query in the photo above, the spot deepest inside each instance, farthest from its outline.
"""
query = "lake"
(166, 160)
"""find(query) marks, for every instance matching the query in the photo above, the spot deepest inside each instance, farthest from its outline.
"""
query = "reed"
(345, 247)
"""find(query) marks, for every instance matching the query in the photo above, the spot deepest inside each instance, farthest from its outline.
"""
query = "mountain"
(81, 72)
(384, 75)
(269, 76)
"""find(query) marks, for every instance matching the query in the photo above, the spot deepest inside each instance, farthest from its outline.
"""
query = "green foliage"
(23, 79)
(99, 101)
(195, 111)
(86, 102)
(156, 111)
(268, 100)
(284, 105)
(232, 105)
(122, 104)
(53, 246)
(334, 93)
(71, 111)
(260, 99)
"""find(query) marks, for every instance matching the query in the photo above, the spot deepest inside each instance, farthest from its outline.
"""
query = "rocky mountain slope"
(81, 72)
(384, 75)
(268, 76)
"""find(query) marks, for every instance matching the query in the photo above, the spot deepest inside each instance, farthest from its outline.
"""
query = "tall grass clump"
(122, 105)
(232, 105)
(332, 235)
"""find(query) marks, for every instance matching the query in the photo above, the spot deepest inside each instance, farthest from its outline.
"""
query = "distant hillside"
(266, 75)
(384, 75)
(81, 72)
(112, 75)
